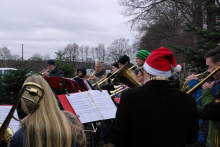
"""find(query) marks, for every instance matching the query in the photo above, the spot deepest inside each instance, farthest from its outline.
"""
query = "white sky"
(45, 26)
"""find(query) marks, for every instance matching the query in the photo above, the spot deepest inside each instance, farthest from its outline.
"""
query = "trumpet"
(91, 74)
(5, 132)
(132, 66)
(42, 73)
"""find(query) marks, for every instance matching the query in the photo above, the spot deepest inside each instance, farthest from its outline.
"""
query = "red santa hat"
(159, 62)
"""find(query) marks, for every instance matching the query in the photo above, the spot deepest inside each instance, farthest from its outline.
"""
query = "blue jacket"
(202, 133)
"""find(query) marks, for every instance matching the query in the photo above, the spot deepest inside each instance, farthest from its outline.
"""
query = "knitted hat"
(124, 59)
(159, 62)
(51, 62)
(143, 54)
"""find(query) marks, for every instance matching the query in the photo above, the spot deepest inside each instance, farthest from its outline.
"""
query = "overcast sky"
(45, 26)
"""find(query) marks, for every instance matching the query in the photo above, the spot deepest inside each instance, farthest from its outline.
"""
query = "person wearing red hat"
(155, 114)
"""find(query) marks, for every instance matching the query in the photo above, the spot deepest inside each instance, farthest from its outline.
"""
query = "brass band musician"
(155, 114)
(47, 125)
(99, 72)
(52, 70)
(211, 103)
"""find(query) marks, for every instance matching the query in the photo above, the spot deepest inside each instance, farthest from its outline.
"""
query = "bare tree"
(72, 51)
(36, 57)
(86, 49)
(117, 48)
(36, 61)
(46, 57)
(93, 54)
(16, 57)
(81, 53)
(100, 52)
(161, 22)
(5, 55)
(144, 12)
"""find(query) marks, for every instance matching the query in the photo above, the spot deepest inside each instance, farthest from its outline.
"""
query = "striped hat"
(143, 54)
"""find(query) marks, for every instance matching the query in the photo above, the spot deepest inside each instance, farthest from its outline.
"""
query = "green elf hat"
(143, 54)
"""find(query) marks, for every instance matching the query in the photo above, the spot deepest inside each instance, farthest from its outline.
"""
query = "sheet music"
(4, 110)
(82, 105)
(87, 84)
(104, 103)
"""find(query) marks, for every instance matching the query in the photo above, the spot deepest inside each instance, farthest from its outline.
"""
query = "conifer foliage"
(10, 85)
(207, 38)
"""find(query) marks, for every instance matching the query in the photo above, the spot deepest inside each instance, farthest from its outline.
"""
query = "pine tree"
(10, 86)
(64, 64)
(207, 39)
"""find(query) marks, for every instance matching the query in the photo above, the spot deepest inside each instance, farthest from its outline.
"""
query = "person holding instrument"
(212, 104)
(192, 81)
(99, 72)
(48, 125)
(141, 56)
(81, 73)
(108, 85)
(52, 70)
(155, 114)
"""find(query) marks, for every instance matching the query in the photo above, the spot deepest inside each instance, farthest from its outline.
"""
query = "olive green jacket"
(213, 139)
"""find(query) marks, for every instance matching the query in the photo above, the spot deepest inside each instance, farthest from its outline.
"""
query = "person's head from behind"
(141, 56)
(51, 64)
(123, 60)
(99, 66)
(159, 63)
(47, 121)
(213, 61)
(140, 75)
(115, 67)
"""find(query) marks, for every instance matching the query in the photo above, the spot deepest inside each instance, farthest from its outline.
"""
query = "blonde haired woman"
(48, 126)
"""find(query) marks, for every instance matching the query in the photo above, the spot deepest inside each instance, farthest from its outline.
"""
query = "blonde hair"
(48, 125)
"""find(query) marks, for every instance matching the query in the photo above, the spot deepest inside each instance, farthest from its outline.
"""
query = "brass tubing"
(106, 78)
(191, 91)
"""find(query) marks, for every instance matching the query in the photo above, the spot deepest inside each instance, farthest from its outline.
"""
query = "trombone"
(113, 74)
(5, 135)
(98, 83)
(118, 92)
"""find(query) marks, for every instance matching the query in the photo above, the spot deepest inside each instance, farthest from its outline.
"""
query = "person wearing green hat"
(141, 57)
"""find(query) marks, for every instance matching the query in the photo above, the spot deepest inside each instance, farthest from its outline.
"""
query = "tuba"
(5, 132)
(125, 77)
